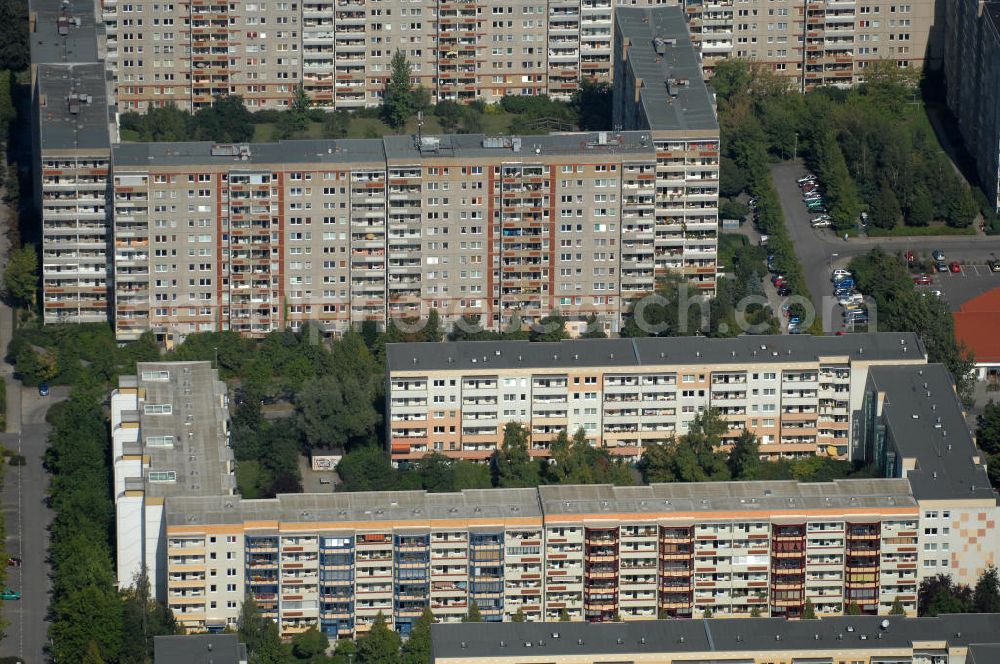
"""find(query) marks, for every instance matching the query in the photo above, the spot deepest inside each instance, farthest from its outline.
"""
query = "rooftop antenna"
(420, 128)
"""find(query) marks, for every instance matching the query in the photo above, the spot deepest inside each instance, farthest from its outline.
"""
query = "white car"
(807, 178)
(822, 217)
(854, 298)
(840, 273)
(822, 223)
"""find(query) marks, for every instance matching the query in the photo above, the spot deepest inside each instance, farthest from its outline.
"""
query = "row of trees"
(939, 594)
(92, 621)
(227, 120)
(902, 308)
(988, 438)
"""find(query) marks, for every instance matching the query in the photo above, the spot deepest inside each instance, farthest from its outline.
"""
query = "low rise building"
(945, 639)
(199, 649)
(800, 395)
(170, 437)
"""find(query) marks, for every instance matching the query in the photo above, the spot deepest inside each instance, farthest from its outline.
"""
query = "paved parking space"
(960, 287)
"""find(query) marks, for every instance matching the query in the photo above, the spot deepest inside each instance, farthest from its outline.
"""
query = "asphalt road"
(28, 519)
(819, 250)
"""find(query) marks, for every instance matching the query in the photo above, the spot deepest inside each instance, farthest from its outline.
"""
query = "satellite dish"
(884, 624)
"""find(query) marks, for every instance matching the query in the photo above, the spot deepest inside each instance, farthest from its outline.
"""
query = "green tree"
(380, 645)
(473, 615)
(512, 463)
(436, 473)
(885, 211)
(366, 468)
(337, 124)
(744, 459)
(755, 611)
(417, 649)
(939, 594)
(310, 644)
(852, 609)
(518, 616)
(397, 100)
(20, 277)
(595, 329)
(470, 475)
(962, 209)
(563, 615)
(260, 634)
(707, 613)
(143, 619)
(592, 102)
(897, 608)
(808, 610)
(549, 328)
(988, 429)
(986, 596)
(921, 210)
(337, 410)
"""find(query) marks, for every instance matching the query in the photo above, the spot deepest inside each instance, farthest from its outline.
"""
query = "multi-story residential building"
(589, 552)
(169, 429)
(186, 53)
(71, 160)
(972, 76)
(945, 639)
(800, 395)
(256, 238)
(463, 224)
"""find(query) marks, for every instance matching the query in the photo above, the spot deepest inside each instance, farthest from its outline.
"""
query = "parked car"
(937, 255)
(807, 178)
(812, 196)
(840, 273)
(775, 277)
(13, 562)
(955, 267)
(852, 298)
(817, 207)
(822, 217)
(923, 280)
(10, 594)
(845, 283)
(941, 266)
(994, 266)
(825, 223)
(43, 389)
(784, 291)
(911, 258)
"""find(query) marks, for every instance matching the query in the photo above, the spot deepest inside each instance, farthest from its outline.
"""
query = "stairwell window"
(163, 476)
(157, 409)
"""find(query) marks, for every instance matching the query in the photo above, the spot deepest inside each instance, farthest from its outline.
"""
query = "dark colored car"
(941, 266)
(937, 255)
(994, 266)
(43, 389)
(784, 291)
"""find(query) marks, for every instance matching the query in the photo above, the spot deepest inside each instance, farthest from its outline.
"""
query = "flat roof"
(199, 649)
(927, 421)
(74, 115)
(75, 19)
(696, 497)
(650, 351)
(661, 55)
(519, 148)
(200, 454)
(984, 653)
(534, 640)
(654, 501)
(399, 149)
(359, 506)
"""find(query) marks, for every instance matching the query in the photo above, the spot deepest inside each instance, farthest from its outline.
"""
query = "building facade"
(170, 437)
(800, 396)
(589, 552)
(256, 238)
(972, 74)
(187, 52)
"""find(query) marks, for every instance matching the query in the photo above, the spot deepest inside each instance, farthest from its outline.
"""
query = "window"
(162, 476)
(156, 375)
(159, 441)
(157, 409)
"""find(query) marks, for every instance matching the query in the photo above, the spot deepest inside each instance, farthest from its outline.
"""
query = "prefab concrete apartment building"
(337, 560)
(256, 238)
(187, 52)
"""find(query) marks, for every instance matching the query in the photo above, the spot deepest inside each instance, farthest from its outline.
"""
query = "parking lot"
(959, 287)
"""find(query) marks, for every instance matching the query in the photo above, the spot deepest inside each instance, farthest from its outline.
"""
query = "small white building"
(170, 437)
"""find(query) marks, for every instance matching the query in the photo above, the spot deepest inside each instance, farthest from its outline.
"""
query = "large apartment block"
(187, 52)
(337, 560)
(800, 395)
(593, 552)
(170, 437)
(972, 76)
